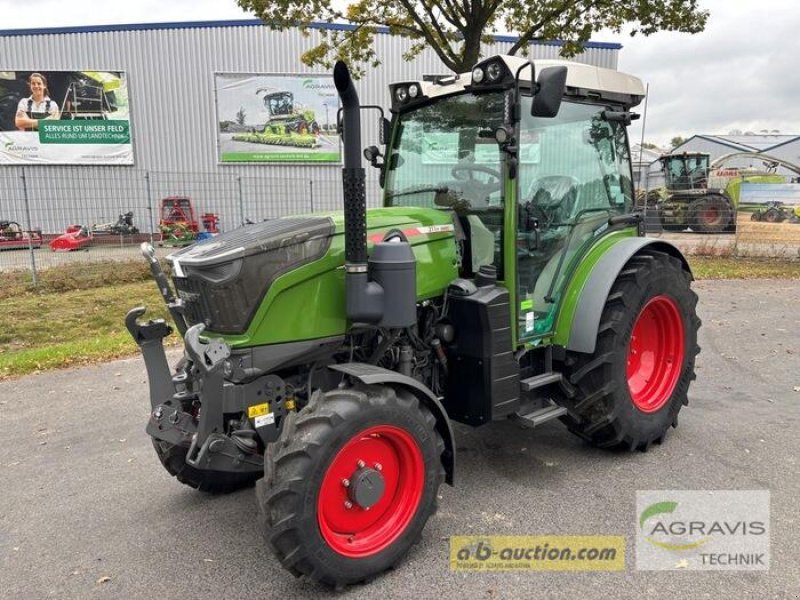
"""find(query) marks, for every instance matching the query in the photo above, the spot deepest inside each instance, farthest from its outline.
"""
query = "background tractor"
(287, 124)
(505, 277)
(705, 197)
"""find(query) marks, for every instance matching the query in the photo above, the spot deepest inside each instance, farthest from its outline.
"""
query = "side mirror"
(550, 87)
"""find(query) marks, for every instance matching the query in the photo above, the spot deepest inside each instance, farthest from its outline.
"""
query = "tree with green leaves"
(676, 141)
(454, 29)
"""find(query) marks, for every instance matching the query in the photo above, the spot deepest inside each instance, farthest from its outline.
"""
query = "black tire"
(710, 214)
(310, 450)
(213, 482)
(602, 409)
(773, 215)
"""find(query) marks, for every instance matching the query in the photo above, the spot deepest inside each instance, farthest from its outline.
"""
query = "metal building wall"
(170, 70)
(171, 76)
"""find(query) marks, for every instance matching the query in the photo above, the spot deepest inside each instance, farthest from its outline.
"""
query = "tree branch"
(525, 38)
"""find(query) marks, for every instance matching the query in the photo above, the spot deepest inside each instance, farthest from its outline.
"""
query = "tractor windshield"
(445, 156)
(686, 171)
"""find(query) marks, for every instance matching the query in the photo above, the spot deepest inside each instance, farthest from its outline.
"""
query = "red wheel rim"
(711, 215)
(355, 531)
(655, 354)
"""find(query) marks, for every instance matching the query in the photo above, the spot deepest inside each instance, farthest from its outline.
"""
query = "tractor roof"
(583, 80)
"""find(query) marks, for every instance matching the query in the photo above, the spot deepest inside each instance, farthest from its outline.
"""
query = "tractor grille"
(223, 280)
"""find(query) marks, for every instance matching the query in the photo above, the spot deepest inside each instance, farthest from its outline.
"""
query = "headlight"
(477, 75)
(401, 94)
(494, 71)
(413, 90)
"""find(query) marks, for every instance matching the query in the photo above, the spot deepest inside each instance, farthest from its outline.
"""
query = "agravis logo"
(718, 529)
(314, 84)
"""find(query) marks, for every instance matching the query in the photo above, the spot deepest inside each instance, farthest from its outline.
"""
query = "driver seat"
(555, 195)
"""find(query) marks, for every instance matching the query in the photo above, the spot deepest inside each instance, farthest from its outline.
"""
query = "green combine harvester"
(506, 276)
(704, 196)
(285, 126)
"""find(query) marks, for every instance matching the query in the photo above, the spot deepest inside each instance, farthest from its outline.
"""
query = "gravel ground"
(87, 511)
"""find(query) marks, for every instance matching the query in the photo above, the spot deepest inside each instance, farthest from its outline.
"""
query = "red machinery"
(77, 237)
(179, 223)
(12, 236)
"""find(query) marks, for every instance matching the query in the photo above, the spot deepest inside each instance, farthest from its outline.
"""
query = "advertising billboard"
(64, 118)
(276, 118)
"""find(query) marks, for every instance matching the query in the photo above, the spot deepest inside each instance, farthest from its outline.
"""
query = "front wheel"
(350, 484)
(173, 458)
(629, 391)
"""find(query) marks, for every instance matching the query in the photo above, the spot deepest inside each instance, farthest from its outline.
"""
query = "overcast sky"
(741, 73)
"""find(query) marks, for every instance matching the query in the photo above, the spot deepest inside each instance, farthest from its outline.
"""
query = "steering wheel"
(474, 191)
(465, 172)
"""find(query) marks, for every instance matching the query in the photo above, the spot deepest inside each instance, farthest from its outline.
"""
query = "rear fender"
(371, 375)
(593, 290)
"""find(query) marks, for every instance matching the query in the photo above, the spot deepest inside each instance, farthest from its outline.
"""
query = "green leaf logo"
(656, 509)
(660, 508)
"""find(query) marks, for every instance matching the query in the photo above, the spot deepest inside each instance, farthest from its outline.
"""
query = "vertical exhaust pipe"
(364, 297)
(380, 290)
(353, 176)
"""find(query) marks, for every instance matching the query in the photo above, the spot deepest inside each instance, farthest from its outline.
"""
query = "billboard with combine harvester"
(271, 118)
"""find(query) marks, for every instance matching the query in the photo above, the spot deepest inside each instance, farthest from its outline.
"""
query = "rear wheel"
(350, 484)
(630, 390)
(710, 214)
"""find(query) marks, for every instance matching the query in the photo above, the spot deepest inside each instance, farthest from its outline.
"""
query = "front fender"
(579, 333)
(370, 375)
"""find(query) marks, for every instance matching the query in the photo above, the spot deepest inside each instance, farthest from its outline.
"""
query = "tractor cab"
(687, 171)
(279, 104)
(528, 196)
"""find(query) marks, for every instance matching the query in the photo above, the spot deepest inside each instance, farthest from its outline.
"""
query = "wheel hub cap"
(367, 487)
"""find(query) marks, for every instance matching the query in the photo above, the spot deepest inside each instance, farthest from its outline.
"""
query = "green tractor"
(505, 277)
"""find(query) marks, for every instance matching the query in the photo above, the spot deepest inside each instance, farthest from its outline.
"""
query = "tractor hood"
(418, 225)
(224, 280)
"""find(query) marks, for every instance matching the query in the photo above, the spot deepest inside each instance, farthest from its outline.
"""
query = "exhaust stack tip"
(148, 251)
(341, 76)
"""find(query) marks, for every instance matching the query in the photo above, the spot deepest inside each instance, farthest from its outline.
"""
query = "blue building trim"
(245, 23)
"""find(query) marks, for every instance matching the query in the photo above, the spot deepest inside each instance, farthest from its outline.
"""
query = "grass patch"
(76, 315)
(46, 330)
(714, 267)
(74, 277)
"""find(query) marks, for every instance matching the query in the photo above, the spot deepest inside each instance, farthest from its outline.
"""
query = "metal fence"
(53, 200)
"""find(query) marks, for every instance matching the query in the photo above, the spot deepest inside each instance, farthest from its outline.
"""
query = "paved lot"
(84, 498)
